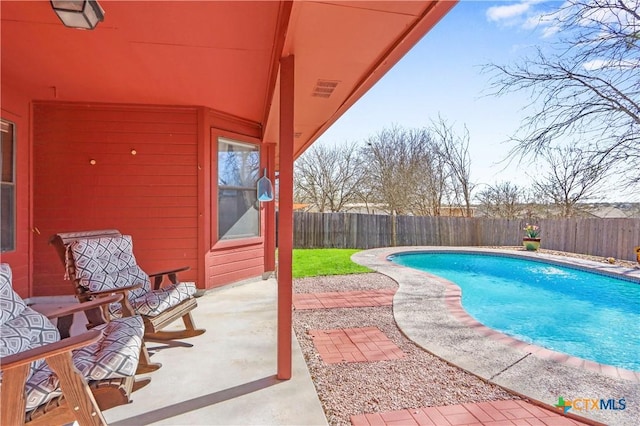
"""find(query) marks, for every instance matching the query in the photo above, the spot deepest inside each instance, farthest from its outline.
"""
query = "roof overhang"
(221, 55)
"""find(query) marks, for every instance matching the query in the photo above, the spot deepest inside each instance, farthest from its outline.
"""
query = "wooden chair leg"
(127, 309)
(12, 397)
(187, 319)
(64, 325)
(144, 364)
(76, 390)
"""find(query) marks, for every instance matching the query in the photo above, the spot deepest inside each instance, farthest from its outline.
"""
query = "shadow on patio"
(227, 376)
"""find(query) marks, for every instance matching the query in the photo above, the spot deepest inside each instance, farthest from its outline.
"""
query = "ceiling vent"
(324, 88)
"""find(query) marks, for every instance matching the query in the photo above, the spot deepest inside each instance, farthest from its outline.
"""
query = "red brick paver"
(354, 345)
(344, 299)
(493, 413)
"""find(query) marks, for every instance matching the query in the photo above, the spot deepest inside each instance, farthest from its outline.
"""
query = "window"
(7, 187)
(238, 172)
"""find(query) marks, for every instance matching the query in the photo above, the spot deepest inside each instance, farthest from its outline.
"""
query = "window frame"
(4, 247)
(245, 239)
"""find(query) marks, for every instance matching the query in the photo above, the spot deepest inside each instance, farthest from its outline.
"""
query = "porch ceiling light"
(84, 14)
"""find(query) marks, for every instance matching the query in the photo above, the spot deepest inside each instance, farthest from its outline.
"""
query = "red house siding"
(235, 263)
(16, 108)
(144, 182)
(161, 195)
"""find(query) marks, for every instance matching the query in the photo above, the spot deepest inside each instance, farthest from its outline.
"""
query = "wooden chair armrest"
(85, 306)
(50, 350)
(127, 309)
(122, 290)
(171, 273)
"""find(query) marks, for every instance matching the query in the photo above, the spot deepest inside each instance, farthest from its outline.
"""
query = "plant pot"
(531, 244)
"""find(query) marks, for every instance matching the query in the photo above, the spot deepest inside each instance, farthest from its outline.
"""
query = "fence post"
(394, 230)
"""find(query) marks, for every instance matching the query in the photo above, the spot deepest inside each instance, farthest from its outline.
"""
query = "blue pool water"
(568, 310)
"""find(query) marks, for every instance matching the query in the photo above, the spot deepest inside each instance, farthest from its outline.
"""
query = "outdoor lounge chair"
(102, 262)
(51, 381)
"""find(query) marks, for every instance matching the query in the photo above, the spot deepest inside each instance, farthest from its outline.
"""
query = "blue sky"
(442, 75)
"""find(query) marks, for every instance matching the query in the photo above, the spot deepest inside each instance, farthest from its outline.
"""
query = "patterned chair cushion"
(127, 277)
(158, 301)
(27, 331)
(22, 328)
(108, 263)
(42, 386)
(115, 355)
(10, 303)
(30, 330)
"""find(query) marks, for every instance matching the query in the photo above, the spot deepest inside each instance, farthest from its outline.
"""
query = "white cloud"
(508, 12)
(527, 15)
(550, 30)
(597, 64)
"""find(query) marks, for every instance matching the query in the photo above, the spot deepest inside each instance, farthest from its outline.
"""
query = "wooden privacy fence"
(599, 237)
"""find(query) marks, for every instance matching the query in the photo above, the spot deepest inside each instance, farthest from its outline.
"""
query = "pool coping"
(432, 317)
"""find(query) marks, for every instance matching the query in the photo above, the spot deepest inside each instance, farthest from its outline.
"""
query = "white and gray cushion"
(108, 263)
(12, 305)
(29, 330)
(21, 328)
(115, 355)
(158, 301)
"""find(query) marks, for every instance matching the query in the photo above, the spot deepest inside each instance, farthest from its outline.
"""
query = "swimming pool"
(587, 315)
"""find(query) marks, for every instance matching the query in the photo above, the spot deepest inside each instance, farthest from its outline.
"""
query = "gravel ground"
(417, 380)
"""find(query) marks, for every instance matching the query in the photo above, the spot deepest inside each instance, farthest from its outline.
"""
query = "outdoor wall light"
(83, 14)
(264, 188)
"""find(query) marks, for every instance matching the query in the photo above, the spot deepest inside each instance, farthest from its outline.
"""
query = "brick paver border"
(493, 413)
(366, 344)
(344, 299)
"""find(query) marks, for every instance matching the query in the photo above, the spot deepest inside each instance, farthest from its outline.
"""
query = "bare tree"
(398, 162)
(572, 179)
(588, 87)
(453, 150)
(329, 178)
(503, 200)
(431, 189)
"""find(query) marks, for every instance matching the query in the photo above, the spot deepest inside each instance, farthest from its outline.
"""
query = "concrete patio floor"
(227, 376)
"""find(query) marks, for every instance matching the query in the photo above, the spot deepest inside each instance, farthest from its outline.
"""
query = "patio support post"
(285, 218)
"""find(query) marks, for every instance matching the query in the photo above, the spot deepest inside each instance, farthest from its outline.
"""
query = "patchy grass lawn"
(316, 262)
